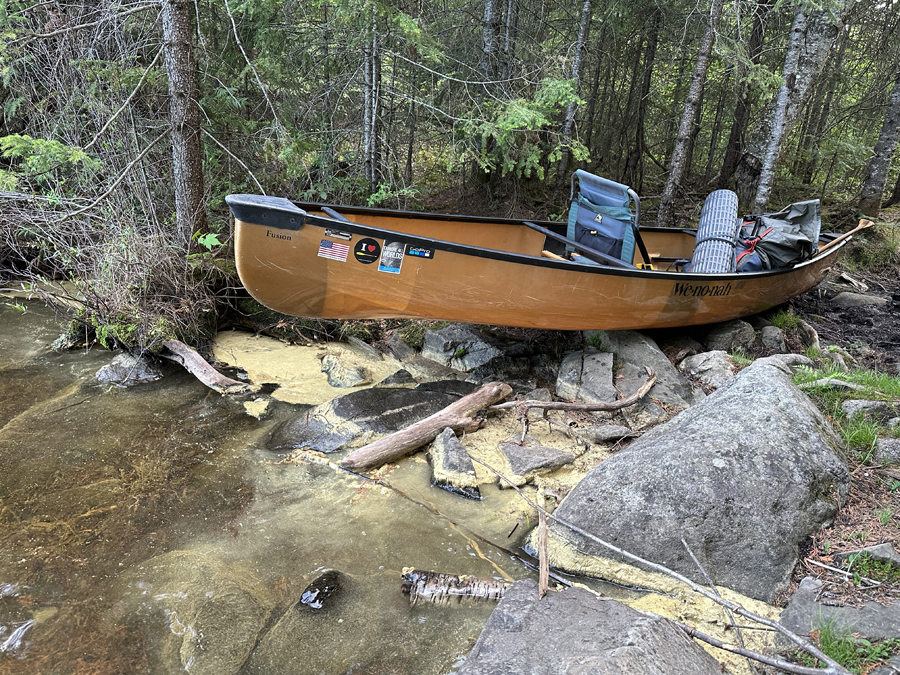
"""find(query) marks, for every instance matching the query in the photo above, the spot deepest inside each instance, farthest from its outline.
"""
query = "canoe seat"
(604, 215)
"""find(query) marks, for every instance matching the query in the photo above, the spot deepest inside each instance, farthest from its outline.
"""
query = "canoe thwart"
(587, 251)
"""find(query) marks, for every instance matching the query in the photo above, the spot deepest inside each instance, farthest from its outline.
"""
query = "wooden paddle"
(863, 224)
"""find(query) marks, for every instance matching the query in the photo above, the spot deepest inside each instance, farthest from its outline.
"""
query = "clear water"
(147, 530)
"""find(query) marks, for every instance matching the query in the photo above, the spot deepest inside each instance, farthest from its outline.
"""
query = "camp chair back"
(604, 216)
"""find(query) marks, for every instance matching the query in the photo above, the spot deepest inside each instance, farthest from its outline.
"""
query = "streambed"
(148, 530)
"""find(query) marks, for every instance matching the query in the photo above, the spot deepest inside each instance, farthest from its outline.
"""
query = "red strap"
(751, 245)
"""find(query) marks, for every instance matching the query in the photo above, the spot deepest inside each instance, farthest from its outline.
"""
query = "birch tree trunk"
(184, 115)
(811, 38)
(877, 170)
(490, 38)
(584, 28)
(680, 154)
(372, 73)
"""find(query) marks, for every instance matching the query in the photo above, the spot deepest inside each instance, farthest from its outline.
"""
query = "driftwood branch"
(458, 416)
(197, 366)
(522, 407)
(833, 667)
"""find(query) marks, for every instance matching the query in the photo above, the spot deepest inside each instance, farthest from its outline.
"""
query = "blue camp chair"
(601, 217)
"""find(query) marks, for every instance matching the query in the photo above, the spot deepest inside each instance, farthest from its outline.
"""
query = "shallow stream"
(148, 530)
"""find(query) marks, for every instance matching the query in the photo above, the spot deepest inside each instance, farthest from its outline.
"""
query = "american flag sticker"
(334, 250)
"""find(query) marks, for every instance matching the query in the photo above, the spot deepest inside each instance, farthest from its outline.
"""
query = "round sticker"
(367, 251)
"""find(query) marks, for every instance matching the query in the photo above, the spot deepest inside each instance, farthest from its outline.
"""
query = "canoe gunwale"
(284, 214)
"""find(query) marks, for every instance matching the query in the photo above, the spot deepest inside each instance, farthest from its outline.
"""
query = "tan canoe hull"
(329, 269)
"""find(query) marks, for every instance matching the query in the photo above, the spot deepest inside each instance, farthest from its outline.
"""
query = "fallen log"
(458, 416)
(197, 366)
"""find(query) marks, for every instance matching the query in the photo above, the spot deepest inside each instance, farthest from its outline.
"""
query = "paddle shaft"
(863, 224)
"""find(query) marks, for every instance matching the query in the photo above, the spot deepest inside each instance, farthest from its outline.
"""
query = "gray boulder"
(710, 368)
(586, 377)
(887, 451)
(808, 611)
(574, 631)
(127, 370)
(772, 338)
(451, 466)
(357, 417)
(529, 458)
(730, 337)
(744, 477)
(846, 299)
(460, 346)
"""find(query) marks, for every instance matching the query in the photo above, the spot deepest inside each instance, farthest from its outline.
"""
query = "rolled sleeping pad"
(716, 234)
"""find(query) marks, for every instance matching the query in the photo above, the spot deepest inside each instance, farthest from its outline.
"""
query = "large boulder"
(574, 631)
(744, 477)
(354, 419)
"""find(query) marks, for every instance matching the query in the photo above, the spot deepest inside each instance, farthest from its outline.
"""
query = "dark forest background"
(125, 124)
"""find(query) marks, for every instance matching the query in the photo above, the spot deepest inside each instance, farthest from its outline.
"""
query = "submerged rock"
(353, 419)
(322, 591)
(744, 477)
(574, 631)
(127, 370)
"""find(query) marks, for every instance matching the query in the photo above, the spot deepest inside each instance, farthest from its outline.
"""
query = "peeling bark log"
(197, 366)
(458, 416)
(442, 589)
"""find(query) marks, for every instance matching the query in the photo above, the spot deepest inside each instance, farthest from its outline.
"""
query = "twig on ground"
(522, 407)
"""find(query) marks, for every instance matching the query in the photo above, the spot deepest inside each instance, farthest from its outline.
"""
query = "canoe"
(344, 262)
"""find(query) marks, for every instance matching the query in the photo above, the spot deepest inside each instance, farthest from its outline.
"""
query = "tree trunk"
(735, 145)
(510, 33)
(877, 170)
(490, 38)
(584, 28)
(634, 166)
(680, 154)
(810, 42)
(184, 115)
(370, 105)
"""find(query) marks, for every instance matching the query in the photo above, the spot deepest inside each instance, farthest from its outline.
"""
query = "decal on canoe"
(338, 234)
(277, 235)
(392, 257)
(367, 251)
(420, 251)
(333, 250)
(701, 290)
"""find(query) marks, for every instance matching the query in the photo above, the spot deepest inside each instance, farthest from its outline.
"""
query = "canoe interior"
(301, 259)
